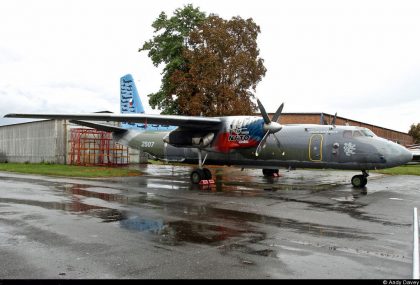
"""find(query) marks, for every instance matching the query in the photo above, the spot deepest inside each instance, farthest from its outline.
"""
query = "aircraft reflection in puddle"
(166, 232)
(176, 232)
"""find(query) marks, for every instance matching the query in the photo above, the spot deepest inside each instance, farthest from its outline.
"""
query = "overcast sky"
(358, 58)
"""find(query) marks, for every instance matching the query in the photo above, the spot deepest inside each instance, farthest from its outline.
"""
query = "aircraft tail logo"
(129, 97)
(130, 102)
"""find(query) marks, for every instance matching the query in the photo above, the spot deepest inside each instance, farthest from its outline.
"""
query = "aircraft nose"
(407, 155)
(400, 155)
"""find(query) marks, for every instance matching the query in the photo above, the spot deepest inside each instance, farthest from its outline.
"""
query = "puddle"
(396, 199)
(107, 194)
(141, 225)
(344, 199)
(111, 215)
(194, 222)
(178, 232)
(248, 249)
(235, 181)
(194, 232)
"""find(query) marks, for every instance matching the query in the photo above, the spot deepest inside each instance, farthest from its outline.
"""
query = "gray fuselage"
(300, 146)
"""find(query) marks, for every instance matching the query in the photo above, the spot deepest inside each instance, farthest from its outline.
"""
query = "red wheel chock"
(206, 182)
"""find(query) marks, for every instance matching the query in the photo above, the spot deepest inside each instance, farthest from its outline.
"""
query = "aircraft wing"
(101, 127)
(193, 122)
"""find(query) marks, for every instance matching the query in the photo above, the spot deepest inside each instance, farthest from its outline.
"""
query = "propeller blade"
(263, 112)
(262, 143)
(270, 127)
(276, 116)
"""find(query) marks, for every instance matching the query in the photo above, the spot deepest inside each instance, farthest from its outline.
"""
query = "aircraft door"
(315, 147)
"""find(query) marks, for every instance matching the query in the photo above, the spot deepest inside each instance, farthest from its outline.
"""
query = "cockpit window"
(357, 134)
(347, 134)
(368, 133)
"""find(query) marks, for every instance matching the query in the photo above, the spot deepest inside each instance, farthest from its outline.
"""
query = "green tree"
(212, 64)
(172, 36)
(415, 132)
(223, 68)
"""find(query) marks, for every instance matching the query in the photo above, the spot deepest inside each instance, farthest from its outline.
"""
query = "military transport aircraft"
(243, 141)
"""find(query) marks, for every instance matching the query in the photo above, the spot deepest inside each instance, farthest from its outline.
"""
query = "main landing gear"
(360, 181)
(270, 172)
(200, 173)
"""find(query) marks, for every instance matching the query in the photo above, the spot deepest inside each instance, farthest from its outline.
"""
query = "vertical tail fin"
(130, 103)
(130, 99)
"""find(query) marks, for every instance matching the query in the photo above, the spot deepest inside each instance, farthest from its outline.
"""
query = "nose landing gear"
(360, 181)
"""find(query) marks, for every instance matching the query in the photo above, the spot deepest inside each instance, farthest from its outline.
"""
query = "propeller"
(270, 126)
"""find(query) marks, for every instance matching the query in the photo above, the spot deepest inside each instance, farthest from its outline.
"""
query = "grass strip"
(68, 170)
(409, 169)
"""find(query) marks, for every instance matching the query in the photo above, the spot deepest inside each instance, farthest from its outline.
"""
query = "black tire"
(197, 175)
(358, 181)
(207, 174)
(364, 182)
(270, 172)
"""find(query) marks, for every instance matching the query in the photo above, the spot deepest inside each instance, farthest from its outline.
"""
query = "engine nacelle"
(203, 141)
(186, 138)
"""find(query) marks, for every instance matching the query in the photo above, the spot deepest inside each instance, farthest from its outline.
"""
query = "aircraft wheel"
(197, 175)
(359, 181)
(270, 172)
(364, 181)
(207, 174)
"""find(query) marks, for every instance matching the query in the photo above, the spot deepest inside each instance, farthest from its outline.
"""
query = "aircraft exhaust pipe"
(207, 139)
(203, 141)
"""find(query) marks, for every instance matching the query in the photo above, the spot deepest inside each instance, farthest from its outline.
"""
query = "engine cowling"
(187, 138)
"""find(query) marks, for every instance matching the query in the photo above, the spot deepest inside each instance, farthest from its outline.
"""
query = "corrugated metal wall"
(137, 156)
(43, 141)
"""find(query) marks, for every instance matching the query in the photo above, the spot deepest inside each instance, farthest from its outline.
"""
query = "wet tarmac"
(304, 224)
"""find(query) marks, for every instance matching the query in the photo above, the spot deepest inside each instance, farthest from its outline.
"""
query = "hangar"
(61, 142)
